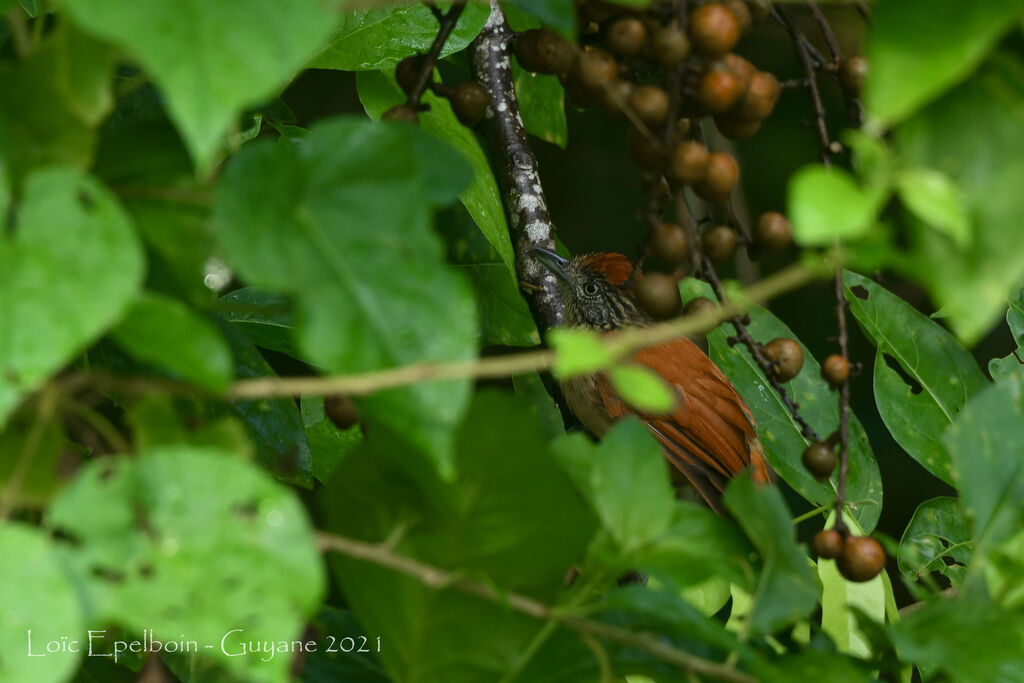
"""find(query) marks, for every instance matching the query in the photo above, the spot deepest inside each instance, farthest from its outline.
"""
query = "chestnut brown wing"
(710, 434)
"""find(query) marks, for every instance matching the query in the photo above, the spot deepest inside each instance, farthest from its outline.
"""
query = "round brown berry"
(739, 10)
(819, 459)
(682, 128)
(862, 559)
(735, 128)
(786, 356)
(835, 369)
(658, 294)
(341, 411)
(650, 103)
(469, 101)
(407, 72)
(760, 98)
(688, 162)
(827, 544)
(759, 9)
(699, 305)
(719, 178)
(646, 150)
(719, 89)
(625, 36)
(401, 112)
(669, 243)
(741, 68)
(852, 73)
(544, 51)
(669, 45)
(720, 243)
(773, 231)
(595, 69)
(714, 30)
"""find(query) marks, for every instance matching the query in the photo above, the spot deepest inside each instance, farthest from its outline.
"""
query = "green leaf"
(372, 39)
(163, 331)
(51, 102)
(937, 201)
(330, 664)
(275, 425)
(827, 204)
(211, 59)
(542, 105)
(579, 352)
(642, 388)
(969, 639)
(941, 374)
(987, 443)
(67, 273)
(264, 317)
(196, 527)
(43, 607)
(507, 492)
(779, 434)
(158, 421)
(629, 485)
(963, 135)
(39, 479)
(328, 444)
(915, 57)
(365, 269)
(840, 597)
(379, 92)
(787, 589)
(938, 539)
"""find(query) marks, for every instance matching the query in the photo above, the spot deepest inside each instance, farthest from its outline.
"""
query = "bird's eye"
(590, 289)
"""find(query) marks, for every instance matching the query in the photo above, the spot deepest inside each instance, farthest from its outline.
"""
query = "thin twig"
(826, 31)
(844, 404)
(441, 579)
(803, 53)
(44, 414)
(448, 22)
(18, 27)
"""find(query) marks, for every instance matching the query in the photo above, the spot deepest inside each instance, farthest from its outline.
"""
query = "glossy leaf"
(910, 68)
(779, 434)
(965, 135)
(1001, 367)
(938, 538)
(371, 39)
(322, 224)
(67, 273)
(210, 59)
(200, 527)
(507, 492)
(938, 375)
(264, 317)
(45, 607)
(162, 331)
(542, 105)
(787, 588)
(933, 198)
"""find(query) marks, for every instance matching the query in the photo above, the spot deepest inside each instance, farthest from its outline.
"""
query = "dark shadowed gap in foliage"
(915, 386)
(320, 93)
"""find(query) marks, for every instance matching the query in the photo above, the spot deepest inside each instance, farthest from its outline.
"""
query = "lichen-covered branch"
(525, 206)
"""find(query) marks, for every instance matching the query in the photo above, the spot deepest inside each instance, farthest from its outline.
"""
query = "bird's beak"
(553, 262)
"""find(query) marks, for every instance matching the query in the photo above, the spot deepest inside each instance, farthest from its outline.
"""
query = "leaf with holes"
(69, 271)
(938, 538)
(933, 379)
(1002, 367)
(185, 526)
(777, 430)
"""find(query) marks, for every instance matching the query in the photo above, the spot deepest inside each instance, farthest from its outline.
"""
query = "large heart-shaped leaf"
(68, 272)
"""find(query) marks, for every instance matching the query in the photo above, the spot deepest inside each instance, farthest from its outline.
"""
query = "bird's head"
(595, 289)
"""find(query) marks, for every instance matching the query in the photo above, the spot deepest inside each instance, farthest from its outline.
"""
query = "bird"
(710, 434)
